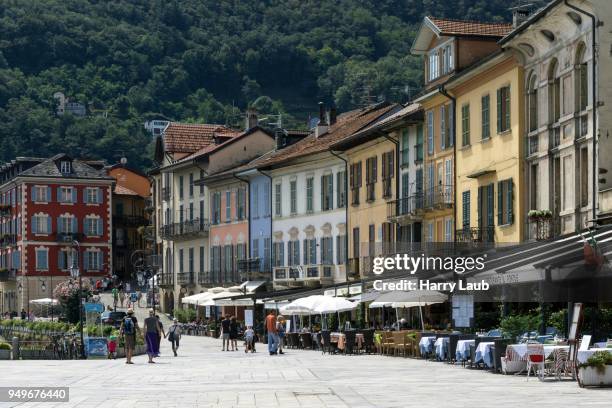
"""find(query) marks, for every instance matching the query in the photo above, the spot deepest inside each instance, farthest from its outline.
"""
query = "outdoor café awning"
(560, 260)
(251, 286)
(398, 299)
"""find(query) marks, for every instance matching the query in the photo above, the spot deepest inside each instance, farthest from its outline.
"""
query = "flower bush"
(67, 293)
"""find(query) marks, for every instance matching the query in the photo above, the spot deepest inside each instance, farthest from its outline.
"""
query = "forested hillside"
(199, 60)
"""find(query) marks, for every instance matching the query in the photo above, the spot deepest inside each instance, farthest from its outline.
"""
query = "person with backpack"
(174, 335)
(128, 329)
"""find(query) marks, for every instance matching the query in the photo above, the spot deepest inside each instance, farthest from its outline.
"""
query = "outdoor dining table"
(426, 343)
(463, 349)
(340, 339)
(441, 345)
(483, 353)
(518, 352)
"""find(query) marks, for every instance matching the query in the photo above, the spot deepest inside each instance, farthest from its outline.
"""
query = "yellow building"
(372, 164)
(489, 165)
(448, 47)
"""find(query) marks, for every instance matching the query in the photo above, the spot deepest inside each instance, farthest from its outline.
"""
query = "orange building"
(130, 192)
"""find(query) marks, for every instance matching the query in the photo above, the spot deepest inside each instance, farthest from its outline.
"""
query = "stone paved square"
(204, 376)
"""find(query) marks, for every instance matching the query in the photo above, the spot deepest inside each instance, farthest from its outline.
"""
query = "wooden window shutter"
(499, 110)
(510, 201)
(500, 203)
(480, 198)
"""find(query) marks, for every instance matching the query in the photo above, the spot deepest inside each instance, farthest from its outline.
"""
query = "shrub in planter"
(5, 351)
(597, 370)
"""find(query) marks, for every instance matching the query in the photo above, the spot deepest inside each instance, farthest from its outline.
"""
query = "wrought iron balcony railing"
(165, 279)
(441, 196)
(475, 234)
(184, 229)
(186, 278)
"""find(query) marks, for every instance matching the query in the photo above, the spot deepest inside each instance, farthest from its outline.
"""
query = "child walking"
(112, 347)
(249, 340)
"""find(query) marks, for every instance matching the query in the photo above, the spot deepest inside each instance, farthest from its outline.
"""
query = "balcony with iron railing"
(303, 275)
(475, 234)
(129, 220)
(439, 197)
(249, 268)
(186, 278)
(542, 228)
(185, 229)
(205, 278)
(407, 208)
(8, 240)
(165, 279)
(8, 275)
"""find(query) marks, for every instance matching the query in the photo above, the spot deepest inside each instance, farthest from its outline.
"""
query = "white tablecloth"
(425, 344)
(521, 349)
(483, 353)
(463, 349)
(439, 346)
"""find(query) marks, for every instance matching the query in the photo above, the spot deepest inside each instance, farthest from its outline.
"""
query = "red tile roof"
(188, 138)
(476, 28)
(346, 125)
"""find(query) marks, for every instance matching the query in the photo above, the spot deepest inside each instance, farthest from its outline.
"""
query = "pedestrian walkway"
(204, 376)
(141, 312)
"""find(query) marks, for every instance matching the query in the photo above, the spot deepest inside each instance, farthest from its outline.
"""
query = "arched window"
(554, 92)
(532, 103)
(582, 79)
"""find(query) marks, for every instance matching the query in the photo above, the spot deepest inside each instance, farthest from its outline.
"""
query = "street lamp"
(74, 273)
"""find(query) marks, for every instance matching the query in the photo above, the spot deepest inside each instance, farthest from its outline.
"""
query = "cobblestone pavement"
(205, 376)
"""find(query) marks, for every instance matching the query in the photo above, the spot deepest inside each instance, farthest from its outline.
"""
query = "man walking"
(225, 333)
(273, 339)
(128, 329)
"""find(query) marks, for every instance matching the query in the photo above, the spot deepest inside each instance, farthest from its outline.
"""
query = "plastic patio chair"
(536, 360)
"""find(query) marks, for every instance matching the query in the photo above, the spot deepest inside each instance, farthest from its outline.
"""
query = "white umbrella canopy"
(328, 304)
(197, 299)
(318, 304)
(44, 301)
(413, 298)
(301, 306)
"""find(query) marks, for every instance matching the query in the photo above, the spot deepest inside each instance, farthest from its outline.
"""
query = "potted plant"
(597, 370)
(5, 351)
(534, 215)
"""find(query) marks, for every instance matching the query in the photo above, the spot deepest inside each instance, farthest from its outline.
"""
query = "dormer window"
(65, 167)
(434, 63)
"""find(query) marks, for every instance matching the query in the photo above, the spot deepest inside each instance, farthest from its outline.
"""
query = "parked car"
(112, 318)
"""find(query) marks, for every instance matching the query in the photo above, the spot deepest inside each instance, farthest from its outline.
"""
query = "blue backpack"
(128, 326)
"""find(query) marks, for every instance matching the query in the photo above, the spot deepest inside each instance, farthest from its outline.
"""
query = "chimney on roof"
(333, 114)
(520, 14)
(251, 119)
(322, 125)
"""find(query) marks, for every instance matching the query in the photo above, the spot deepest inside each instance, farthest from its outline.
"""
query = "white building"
(555, 46)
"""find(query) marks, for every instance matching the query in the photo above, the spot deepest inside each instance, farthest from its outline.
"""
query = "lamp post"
(74, 273)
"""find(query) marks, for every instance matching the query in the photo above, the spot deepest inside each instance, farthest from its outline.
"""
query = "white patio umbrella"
(44, 301)
(420, 298)
(301, 306)
(328, 304)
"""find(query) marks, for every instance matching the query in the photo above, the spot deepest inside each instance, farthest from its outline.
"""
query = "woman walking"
(174, 335)
(234, 333)
(152, 330)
